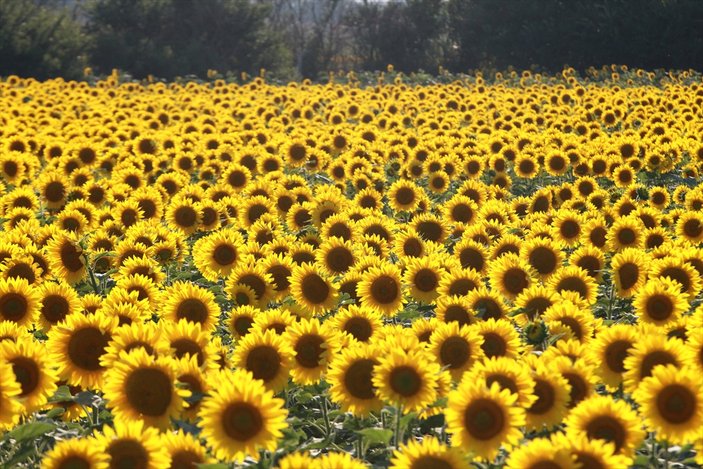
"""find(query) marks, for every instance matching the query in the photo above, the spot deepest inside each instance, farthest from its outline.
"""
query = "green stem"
(359, 447)
(326, 417)
(396, 433)
(653, 451)
(665, 450)
(93, 282)
(611, 296)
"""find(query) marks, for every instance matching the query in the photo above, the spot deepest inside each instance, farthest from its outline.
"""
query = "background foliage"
(308, 38)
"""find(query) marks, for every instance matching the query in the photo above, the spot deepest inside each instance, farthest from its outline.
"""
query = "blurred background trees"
(308, 38)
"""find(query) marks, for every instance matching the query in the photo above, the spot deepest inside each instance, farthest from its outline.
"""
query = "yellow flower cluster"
(332, 276)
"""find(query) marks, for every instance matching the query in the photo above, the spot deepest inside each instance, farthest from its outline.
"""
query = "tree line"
(308, 38)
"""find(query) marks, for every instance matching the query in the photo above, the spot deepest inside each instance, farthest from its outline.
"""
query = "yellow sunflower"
(185, 300)
(19, 301)
(456, 347)
(350, 376)
(241, 416)
(381, 290)
(131, 444)
(66, 258)
(75, 453)
(141, 387)
(314, 344)
(428, 453)
(267, 356)
(604, 418)
(406, 379)
(32, 371)
(481, 419)
(76, 346)
(311, 290)
(660, 302)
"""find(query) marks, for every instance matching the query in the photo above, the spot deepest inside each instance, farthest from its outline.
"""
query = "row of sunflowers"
(475, 274)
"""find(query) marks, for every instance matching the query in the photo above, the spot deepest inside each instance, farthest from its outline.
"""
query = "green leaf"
(376, 436)
(55, 412)
(217, 465)
(62, 394)
(31, 430)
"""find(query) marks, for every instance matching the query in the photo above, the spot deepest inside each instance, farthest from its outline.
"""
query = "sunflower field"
(473, 272)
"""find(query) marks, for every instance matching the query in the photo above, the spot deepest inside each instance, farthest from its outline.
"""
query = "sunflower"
(77, 345)
(311, 290)
(428, 453)
(649, 353)
(350, 376)
(24, 267)
(423, 275)
(671, 403)
(543, 255)
(132, 444)
(380, 289)
(604, 418)
(609, 350)
(532, 303)
(10, 390)
(187, 339)
(456, 347)
(471, 255)
(595, 233)
(141, 387)
(540, 453)
(590, 453)
(241, 320)
(74, 453)
(460, 209)
(333, 460)
(141, 285)
(137, 335)
(552, 394)
(19, 301)
(482, 419)
(182, 215)
(276, 319)
(567, 227)
(629, 270)
(336, 256)
(500, 339)
(406, 379)
(66, 258)
(252, 276)
(58, 300)
(455, 309)
(626, 232)
(32, 371)
(679, 270)
(357, 322)
(509, 275)
(53, 189)
(590, 259)
(241, 416)
(660, 302)
(314, 345)
(575, 279)
(184, 300)
(509, 373)
(456, 281)
(267, 356)
(184, 450)
(569, 319)
(580, 375)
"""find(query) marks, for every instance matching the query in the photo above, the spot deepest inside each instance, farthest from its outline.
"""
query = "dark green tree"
(40, 39)
(169, 38)
(407, 34)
